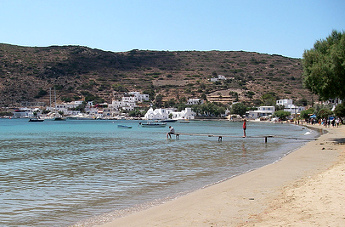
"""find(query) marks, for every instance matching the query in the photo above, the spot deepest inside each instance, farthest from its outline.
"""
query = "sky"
(284, 27)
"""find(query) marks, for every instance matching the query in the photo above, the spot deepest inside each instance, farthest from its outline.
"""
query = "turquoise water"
(59, 173)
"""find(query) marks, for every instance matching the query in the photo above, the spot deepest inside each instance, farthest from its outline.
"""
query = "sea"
(83, 172)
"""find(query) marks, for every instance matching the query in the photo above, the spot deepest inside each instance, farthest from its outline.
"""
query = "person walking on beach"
(171, 131)
(244, 128)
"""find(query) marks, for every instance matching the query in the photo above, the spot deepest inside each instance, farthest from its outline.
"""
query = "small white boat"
(36, 120)
(153, 124)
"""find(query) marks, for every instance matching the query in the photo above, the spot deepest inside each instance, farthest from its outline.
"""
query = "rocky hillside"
(27, 74)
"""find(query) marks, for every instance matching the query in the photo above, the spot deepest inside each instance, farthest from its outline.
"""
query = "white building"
(163, 114)
(333, 102)
(294, 110)
(73, 104)
(289, 106)
(220, 77)
(195, 101)
(262, 111)
(135, 97)
(186, 114)
(284, 102)
(122, 105)
(158, 114)
(23, 112)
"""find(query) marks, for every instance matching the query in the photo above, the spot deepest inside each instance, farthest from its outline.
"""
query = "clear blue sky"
(285, 27)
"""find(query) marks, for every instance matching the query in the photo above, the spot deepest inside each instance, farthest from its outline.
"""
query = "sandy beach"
(305, 188)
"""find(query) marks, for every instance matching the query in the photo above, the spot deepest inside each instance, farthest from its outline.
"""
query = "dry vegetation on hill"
(27, 73)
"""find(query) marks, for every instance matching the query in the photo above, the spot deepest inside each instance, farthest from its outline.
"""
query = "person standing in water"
(244, 128)
(172, 131)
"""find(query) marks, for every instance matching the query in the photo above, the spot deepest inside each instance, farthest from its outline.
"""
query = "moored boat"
(124, 126)
(153, 124)
(168, 120)
(59, 119)
(36, 120)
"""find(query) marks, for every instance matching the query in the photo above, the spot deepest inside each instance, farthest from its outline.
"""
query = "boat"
(59, 119)
(124, 126)
(79, 118)
(168, 120)
(36, 120)
(153, 124)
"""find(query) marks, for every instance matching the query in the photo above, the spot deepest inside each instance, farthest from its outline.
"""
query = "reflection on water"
(57, 173)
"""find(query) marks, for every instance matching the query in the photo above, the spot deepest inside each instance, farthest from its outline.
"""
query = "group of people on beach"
(335, 122)
(328, 122)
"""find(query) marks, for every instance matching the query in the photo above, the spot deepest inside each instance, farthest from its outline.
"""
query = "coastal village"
(117, 109)
(124, 103)
(120, 109)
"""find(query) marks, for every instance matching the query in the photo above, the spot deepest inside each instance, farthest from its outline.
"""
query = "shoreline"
(248, 198)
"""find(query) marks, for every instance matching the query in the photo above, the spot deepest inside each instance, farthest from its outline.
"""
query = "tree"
(209, 109)
(135, 113)
(41, 93)
(169, 103)
(81, 107)
(305, 114)
(269, 99)
(151, 93)
(324, 113)
(203, 96)
(324, 67)
(197, 109)
(302, 102)
(238, 108)
(282, 114)
(340, 110)
(159, 100)
(119, 88)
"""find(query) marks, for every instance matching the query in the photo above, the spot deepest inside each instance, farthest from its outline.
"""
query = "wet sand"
(305, 188)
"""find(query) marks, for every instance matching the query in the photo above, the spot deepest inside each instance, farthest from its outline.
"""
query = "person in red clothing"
(244, 127)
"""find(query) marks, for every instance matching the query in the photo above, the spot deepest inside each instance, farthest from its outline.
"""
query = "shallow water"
(59, 173)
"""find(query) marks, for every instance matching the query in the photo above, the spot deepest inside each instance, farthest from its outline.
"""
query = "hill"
(27, 74)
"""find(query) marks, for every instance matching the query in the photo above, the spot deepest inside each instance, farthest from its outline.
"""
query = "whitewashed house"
(195, 102)
(122, 105)
(220, 77)
(164, 114)
(186, 114)
(135, 97)
(158, 114)
(294, 110)
(23, 112)
(284, 102)
(289, 106)
(262, 111)
(74, 104)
